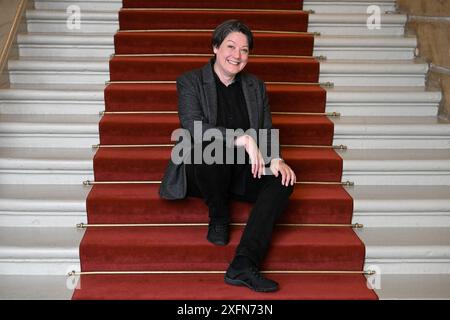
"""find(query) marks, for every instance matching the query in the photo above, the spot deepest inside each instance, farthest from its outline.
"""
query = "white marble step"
(55, 99)
(36, 287)
(374, 206)
(65, 45)
(348, 6)
(59, 21)
(401, 206)
(374, 73)
(45, 166)
(84, 5)
(392, 287)
(39, 251)
(365, 47)
(43, 205)
(81, 131)
(356, 24)
(407, 250)
(383, 101)
(325, 23)
(392, 132)
(349, 101)
(58, 131)
(363, 166)
(58, 71)
(341, 72)
(54, 251)
(414, 287)
(319, 6)
(332, 47)
(396, 167)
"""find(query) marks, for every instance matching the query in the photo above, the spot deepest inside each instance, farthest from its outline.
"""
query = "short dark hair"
(229, 26)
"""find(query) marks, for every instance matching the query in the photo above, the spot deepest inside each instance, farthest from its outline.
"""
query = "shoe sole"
(235, 282)
(218, 243)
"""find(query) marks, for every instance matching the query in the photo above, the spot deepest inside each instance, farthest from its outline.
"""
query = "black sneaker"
(250, 277)
(218, 234)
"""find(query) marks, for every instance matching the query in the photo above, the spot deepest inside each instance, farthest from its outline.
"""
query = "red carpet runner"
(173, 248)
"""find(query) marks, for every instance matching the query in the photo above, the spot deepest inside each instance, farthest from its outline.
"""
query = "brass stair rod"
(142, 82)
(97, 146)
(137, 112)
(328, 114)
(89, 182)
(87, 273)
(154, 225)
(340, 147)
(322, 84)
(218, 9)
(211, 30)
(321, 58)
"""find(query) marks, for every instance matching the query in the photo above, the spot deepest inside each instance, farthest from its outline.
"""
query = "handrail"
(12, 33)
(440, 69)
(428, 18)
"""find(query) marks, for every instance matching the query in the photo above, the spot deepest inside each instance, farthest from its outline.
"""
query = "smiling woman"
(221, 96)
(231, 57)
(231, 47)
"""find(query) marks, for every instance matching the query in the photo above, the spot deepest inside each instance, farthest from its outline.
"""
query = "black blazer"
(197, 101)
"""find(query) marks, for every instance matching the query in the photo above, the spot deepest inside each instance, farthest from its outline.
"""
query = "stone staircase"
(398, 152)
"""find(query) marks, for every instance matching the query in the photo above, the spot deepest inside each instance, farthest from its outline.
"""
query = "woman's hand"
(287, 174)
(256, 158)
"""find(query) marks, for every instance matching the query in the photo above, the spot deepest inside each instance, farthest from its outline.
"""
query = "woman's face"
(232, 54)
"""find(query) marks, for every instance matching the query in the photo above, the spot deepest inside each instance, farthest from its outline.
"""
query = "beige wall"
(8, 10)
(430, 21)
(425, 7)
(7, 13)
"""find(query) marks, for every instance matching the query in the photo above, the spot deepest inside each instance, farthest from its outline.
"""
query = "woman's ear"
(215, 49)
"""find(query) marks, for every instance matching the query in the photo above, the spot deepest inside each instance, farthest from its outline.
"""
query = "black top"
(232, 114)
(231, 107)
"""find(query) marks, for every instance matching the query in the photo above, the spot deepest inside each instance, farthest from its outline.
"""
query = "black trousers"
(215, 184)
